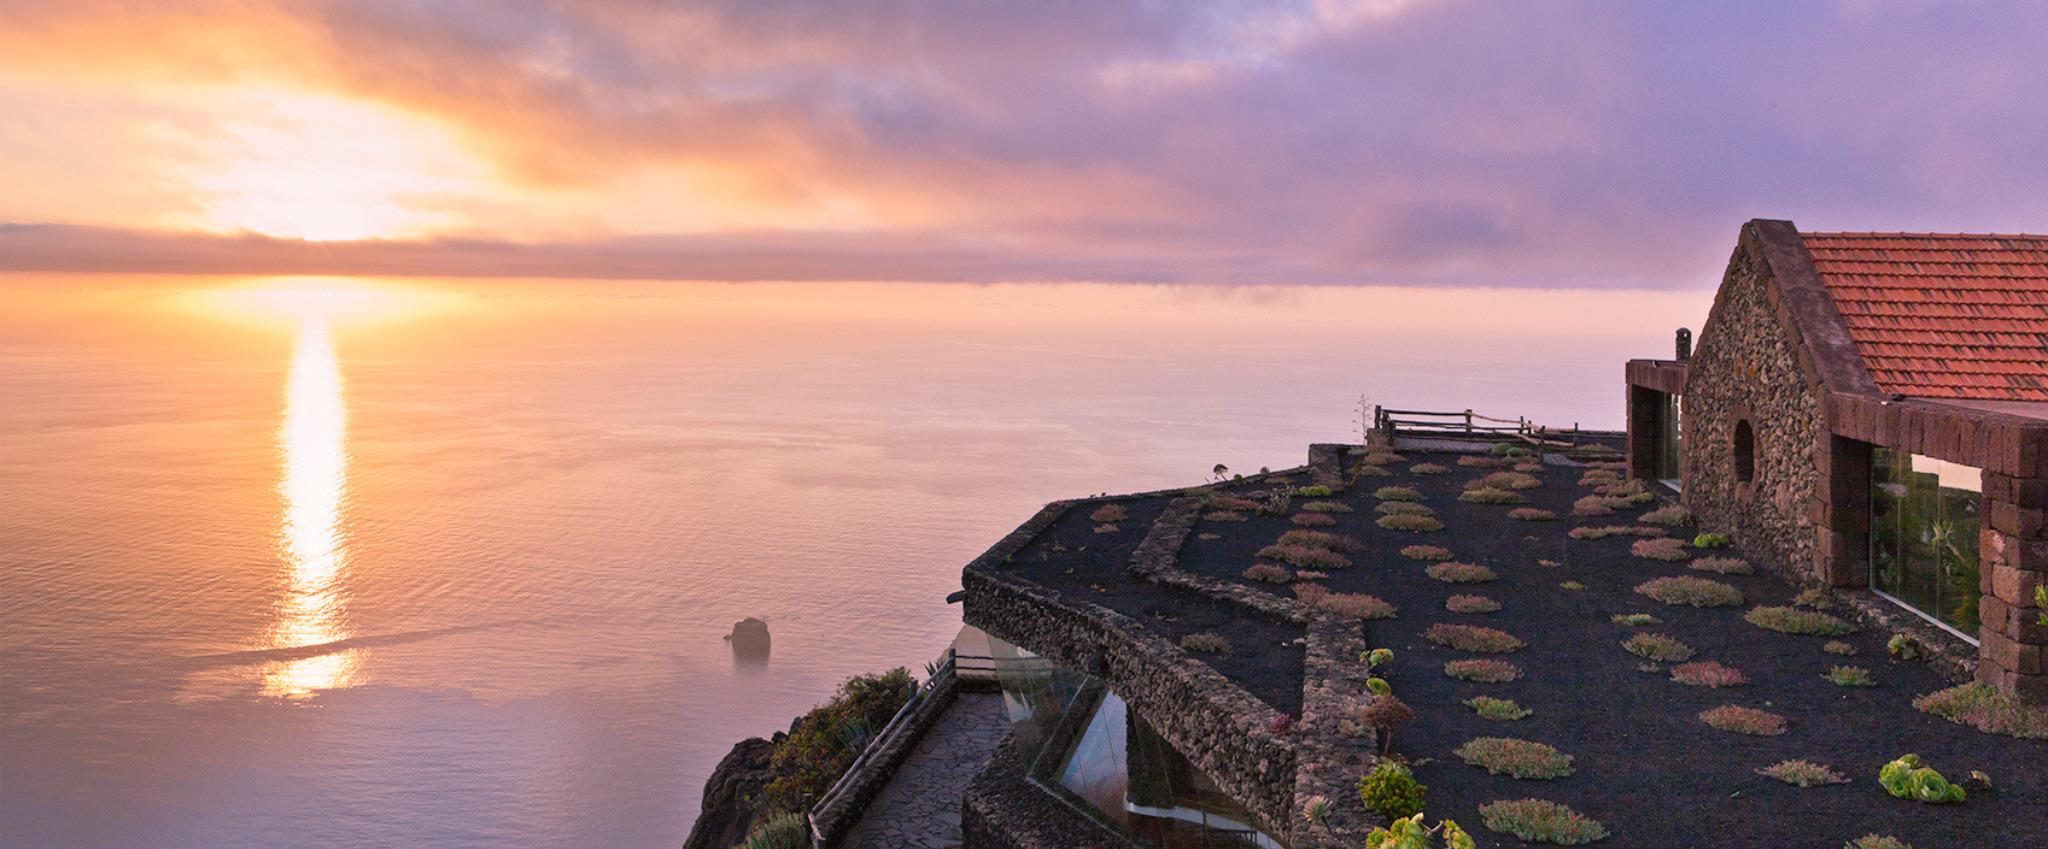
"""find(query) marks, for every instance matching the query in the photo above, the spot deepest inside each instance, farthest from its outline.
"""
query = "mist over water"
(448, 563)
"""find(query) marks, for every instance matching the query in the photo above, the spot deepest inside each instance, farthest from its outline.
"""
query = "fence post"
(1468, 420)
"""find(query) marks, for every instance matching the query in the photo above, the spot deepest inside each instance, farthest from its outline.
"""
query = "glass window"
(1923, 535)
(1671, 441)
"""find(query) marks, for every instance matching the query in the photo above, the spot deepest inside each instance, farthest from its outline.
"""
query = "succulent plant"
(1906, 778)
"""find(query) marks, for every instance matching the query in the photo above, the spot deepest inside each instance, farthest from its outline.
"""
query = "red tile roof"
(1943, 315)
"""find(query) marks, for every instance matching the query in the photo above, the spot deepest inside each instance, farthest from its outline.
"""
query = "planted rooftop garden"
(1608, 673)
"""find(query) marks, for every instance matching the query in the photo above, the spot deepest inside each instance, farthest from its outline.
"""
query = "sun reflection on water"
(315, 476)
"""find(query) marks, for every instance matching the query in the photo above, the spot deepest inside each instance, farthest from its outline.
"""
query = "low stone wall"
(1156, 561)
(868, 776)
(1328, 763)
(1222, 729)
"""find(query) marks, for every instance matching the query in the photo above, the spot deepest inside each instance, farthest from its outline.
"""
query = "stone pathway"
(920, 806)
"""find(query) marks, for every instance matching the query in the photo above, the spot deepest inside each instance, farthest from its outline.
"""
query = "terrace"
(1556, 634)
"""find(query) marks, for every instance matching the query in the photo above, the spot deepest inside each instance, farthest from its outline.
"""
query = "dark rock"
(749, 640)
(728, 796)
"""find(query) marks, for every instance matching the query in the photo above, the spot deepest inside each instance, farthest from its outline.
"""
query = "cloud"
(1419, 142)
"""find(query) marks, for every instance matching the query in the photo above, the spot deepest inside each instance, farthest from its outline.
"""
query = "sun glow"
(326, 301)
(312, 441)
(319, 168)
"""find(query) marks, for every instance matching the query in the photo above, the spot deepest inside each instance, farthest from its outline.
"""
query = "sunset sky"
(1377, 141)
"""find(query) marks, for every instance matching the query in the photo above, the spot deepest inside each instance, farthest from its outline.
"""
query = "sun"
(321, 168)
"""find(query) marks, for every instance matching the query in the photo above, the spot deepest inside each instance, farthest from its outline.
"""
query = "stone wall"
(1746, 367)
(1220, 727)
(868, 775)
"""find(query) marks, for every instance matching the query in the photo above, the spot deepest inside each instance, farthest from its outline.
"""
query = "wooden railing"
(1465, 424)
(1438, 423)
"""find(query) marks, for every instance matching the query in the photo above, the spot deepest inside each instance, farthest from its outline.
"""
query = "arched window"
(1745, 452)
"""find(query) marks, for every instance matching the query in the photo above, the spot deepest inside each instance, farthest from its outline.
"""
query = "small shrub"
(1979, 706)
(1697, 592)
(1792, 620)
(1460, 573)
(1268, 573)
(1634, 619)
(1232, 503)
(1319, 539)
(1707, 673)
(1410, 524)
(1599, 477)
(1326, 507)
(1367, 470)
(1383, 456)
(1483, 671)
(1712, 540)
(1903, 647)
(1305, 557)
(1839, 647)
(1309, 575)
(1505, 480)
(1316, 809)
(1849, 676)
(1109, 513)
(1397, 493)
(1208, 536)
(1105, 529)
(1223, 516)
(1391, 791)
(1591, 505)
(1506, 449)
(1659, 549)
(1403, 508)
(1472, 638)
(1672, 515)
(1314, 491)
(1491, 496)
(1477, 461)
(1744, 720)
(1658, 647)
(1312, 520)
(1816, 599)
(1532, 514)
(1906, 778)
(1518, 758)
(1429, 469)
(1548, 564)
(1358, 605)
(782, 831)
(1592, 532)
(1501, 710)
(1627, 492)
(1377, 658)
(1425, 552)
(1470, 604)
(1574, 586)
(1206, 642)
(1722, 565)
(1803, 773)
(1877, 841)
(1541, 821)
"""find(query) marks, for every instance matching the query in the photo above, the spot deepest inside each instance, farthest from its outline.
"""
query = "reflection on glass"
(315, 473)
(1088, 744)
(1127, 771)
(1923, 535)
(1671, 441)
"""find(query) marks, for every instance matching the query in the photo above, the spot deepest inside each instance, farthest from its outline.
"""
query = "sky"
(1411, 142)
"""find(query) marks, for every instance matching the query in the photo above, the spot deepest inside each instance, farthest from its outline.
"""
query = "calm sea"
(398, 563)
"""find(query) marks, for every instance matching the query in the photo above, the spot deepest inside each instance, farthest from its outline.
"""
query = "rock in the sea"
(749, 639)
(728, 811)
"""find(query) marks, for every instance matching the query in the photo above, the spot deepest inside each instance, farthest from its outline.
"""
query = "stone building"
(1871, 411)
